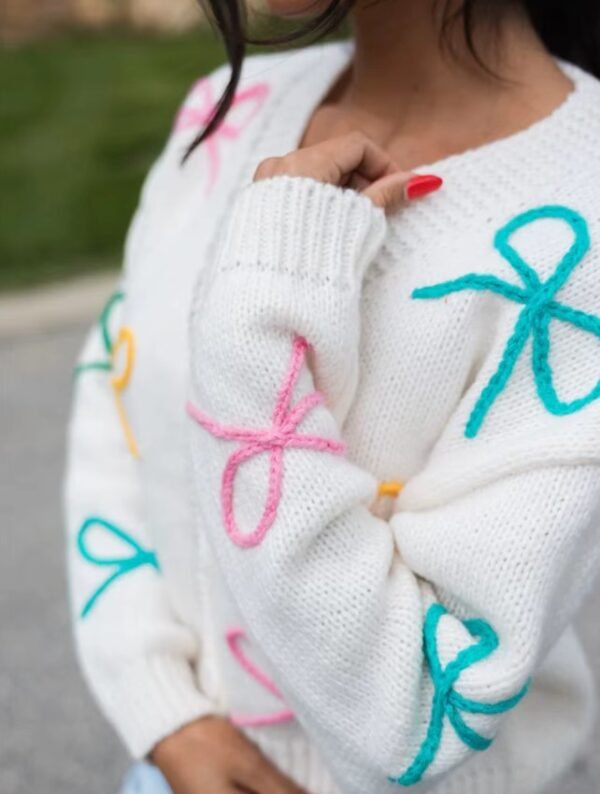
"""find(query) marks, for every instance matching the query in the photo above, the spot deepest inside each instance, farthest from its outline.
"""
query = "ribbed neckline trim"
(584, 85)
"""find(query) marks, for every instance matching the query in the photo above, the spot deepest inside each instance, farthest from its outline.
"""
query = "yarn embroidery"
(273, 440)
(104, 323)
(198, 111)
(121, 566)
(234, 637)
(447, 702)
(390, 489)
(383, 503)
(540, 308)
(119, 381)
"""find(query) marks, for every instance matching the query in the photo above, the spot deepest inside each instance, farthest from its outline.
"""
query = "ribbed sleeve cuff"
(304, 228)
(154, 699)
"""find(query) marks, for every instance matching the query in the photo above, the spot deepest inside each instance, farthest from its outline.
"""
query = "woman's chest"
(435, 310)
(434, 306)
(450, 320)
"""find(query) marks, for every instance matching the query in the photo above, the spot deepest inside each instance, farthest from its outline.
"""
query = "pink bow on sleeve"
(274, 441)
(198, 110)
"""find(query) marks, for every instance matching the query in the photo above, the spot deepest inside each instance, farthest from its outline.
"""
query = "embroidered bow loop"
(105, 331)
(540, 307)
(274, 441)
(447, 702)
(235, 637)
(121, 566)
(199, 110)
(119, 381)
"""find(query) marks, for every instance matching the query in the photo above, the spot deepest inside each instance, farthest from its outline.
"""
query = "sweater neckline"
(332, 59)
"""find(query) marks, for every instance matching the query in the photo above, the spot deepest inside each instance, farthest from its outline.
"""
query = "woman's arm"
(399, 645)
(136, 656)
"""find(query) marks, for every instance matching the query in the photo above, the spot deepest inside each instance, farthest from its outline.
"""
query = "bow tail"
(500, 378)
(542, 369)
(474, 281)
(285, 394)
(429, 747)
(214, 162)
(466, 734)
(91, 602)
(269, 514)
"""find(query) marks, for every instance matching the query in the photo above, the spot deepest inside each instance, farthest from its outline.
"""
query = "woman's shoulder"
(271, 85)
(265, 78)
(280, 65)
(581, 122)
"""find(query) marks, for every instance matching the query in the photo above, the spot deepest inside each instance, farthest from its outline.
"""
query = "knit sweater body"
(234, 556)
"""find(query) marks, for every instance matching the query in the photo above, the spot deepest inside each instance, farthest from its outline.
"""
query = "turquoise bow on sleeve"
(447, 702)
(104, 324)
(540, 307)
(120, 566)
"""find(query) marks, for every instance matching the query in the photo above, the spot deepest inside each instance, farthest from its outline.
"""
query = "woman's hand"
(353, 161)
(210, 756)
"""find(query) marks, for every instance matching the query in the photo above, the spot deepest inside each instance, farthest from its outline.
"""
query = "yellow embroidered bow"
(119, 380)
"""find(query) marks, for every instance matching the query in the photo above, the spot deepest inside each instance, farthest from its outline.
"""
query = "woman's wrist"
(299, 227)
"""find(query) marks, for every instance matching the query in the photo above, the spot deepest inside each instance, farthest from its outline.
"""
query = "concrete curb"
(54, 306)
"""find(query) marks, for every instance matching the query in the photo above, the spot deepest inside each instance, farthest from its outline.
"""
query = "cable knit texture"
(333, 349)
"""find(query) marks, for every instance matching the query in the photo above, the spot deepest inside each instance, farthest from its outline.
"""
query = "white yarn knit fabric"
(451, 347)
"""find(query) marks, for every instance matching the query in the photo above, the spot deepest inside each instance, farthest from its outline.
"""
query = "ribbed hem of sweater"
(304, 228)
(154, 699)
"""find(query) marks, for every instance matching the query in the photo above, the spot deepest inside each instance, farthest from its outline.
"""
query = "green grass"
(81, 120)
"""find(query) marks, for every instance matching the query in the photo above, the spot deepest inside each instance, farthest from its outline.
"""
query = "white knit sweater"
(453, 348)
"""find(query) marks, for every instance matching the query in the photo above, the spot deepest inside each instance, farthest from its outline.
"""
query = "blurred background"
(88, 92)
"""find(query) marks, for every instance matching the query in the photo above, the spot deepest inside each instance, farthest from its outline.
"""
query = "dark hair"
(570, 29)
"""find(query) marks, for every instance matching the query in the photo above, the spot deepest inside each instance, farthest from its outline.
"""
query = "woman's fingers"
(334, 161)
(353, 161)
(357, 154)
(357, 182)
(392, 191)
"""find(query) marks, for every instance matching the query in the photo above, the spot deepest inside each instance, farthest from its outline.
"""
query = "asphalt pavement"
(52, 739)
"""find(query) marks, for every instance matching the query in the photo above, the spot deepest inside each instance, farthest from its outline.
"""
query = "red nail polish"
(423, 185)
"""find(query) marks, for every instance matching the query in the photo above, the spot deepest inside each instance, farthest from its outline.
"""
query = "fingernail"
(423, 185)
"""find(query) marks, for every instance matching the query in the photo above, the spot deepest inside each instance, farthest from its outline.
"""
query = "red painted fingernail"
(423, 185)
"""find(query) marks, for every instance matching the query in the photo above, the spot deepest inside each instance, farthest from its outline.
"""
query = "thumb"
(392, 191)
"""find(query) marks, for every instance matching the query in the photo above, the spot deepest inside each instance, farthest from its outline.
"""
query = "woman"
(368, 581)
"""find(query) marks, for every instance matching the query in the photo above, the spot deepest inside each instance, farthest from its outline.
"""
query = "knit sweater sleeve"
(401, 645)
(137, 657)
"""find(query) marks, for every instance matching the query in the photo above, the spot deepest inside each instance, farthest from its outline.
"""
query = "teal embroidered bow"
(120, 565)
(540, 308)
(447, 703)
(104, 323)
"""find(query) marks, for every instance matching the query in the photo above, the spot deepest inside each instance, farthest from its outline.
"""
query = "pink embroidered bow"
(197, 112)
(233, 637)
(274, 440)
